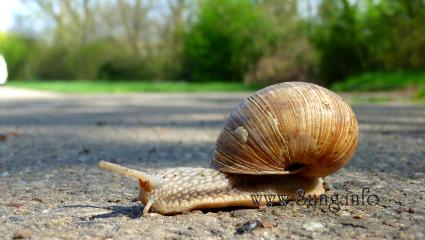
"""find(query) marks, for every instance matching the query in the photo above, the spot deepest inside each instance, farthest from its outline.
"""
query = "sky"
(8, 8)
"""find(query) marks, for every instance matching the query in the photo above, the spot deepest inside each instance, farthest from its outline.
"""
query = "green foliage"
(358, 36)
(342, 51)
(381, 81)
(226, 39)
(87, 60)
(291, 56)
(395, 33)
(127, 68)
(421, 92)
(17, 51)
(54, 64)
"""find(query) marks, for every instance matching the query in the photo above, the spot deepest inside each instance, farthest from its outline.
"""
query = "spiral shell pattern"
(288, 128)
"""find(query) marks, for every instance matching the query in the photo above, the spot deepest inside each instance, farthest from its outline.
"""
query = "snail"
(283, 138)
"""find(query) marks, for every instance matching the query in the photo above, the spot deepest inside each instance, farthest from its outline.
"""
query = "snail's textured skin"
(290, 127)
(186, 189)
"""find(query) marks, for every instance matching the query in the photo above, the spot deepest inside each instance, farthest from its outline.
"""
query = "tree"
(342, 50)
(18, 51)
(291, 56)
(225, 40)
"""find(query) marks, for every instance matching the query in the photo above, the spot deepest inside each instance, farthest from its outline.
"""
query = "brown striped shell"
(288, 128)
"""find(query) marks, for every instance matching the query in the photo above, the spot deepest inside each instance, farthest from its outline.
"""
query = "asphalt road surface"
(50, 186)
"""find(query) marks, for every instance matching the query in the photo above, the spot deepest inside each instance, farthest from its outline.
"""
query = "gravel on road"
(51, 187)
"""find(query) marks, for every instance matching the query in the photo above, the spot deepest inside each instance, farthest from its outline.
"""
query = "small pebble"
(313, 226)
(15, 204)
(266, 224)
(3, 137)
(154, 215)
(389, 223)
(216, 232)
(248, 227)
(85, 151)
(41, 199)
(22, 234)
(326, 186)
(100, 123)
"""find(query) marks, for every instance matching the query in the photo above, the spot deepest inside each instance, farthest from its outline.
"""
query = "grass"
(131, 86)
(421, 92)
(384, 81)
(377, 81)
(381, 81)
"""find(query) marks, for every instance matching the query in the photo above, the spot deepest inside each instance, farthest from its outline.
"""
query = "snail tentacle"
(148, 205)
(147, 181)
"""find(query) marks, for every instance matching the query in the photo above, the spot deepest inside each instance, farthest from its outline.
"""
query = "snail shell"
(286, 128)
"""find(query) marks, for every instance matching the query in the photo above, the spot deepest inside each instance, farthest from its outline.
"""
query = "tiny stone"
(326, 186)
(100, 123)
(313, 226)
(216, 232)
(42, 199)
(344, 213)
(419, 235)
(197, 212)
(3, 137)
(404, 235)
(248, 226)
(15, 204)
(389, 223)
(266, 224)
(154, 214)
(22, 234)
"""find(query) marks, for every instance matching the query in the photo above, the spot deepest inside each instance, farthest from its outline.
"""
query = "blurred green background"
(224, 45)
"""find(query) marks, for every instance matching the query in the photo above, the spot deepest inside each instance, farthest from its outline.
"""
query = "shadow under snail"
(283, 138)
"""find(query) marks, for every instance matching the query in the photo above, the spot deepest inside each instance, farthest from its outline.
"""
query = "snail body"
(178, 190)
(282, 138)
